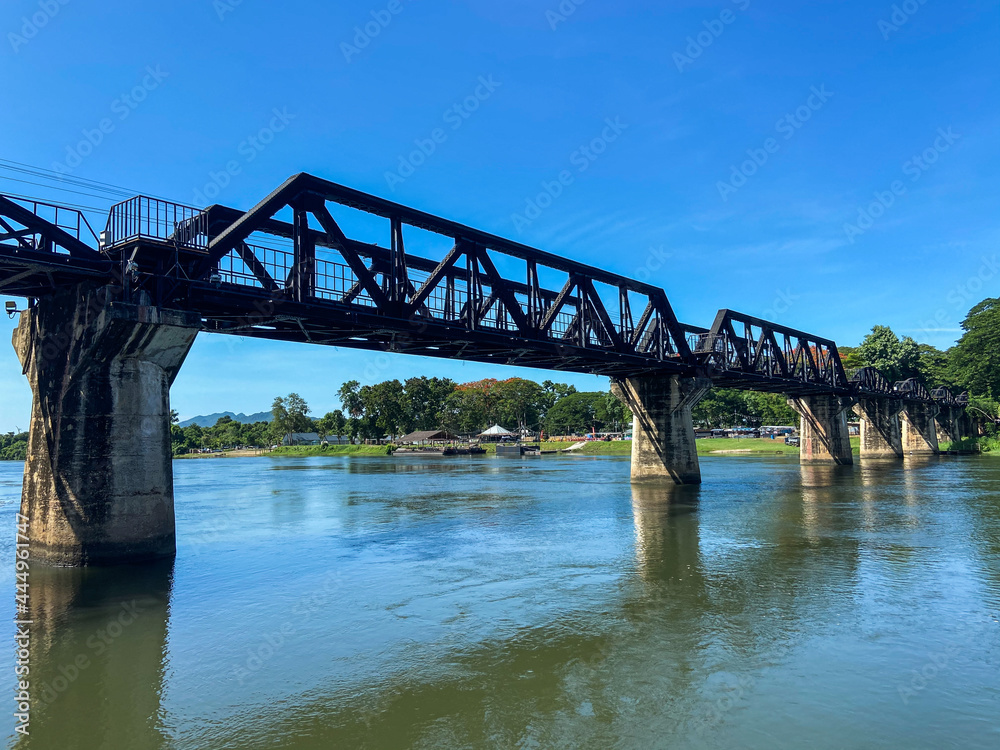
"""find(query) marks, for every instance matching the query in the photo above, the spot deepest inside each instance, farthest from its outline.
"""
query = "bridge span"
(111, 315)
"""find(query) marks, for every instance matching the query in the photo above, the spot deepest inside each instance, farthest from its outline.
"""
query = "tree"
(576, 412)
(897, 359)
(935, 367)
(976, 356)
(519, 402)
(384, 409)
(612, 413)
(850, 357)
(291, 414)
(332, 423)
(424, 401)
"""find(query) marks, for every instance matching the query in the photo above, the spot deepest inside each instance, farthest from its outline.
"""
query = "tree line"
(972, 364)
(394, 408)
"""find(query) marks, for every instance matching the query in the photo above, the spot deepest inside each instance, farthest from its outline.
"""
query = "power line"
(101, 211)
(54, 187)
(50, 174)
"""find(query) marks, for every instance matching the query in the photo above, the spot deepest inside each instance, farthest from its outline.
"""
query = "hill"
(209, 420)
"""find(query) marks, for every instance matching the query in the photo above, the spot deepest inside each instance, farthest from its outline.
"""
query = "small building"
(301, 438)
(496, 434)
(426, 437)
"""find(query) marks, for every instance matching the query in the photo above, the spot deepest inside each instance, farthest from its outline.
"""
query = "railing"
(143, 218)
(70, 220)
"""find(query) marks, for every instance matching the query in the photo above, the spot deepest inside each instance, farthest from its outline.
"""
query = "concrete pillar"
(823, 429)
(98, 482)
(663, 445)
(881, 433)
(948, 424)
(919, 429)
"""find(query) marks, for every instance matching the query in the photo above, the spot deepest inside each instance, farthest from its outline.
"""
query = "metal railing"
(143, 218)
(70, 220)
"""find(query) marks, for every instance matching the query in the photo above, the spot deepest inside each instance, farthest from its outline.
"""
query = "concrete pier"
(663, 444)
(949, 424)
(98, 482)
(920, 429)
(881, 433)
(823, 429)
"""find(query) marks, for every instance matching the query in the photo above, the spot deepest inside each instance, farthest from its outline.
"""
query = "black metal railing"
(143, 218)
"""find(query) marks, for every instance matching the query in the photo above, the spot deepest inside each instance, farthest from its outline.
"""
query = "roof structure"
(496, 430)
(425, 436)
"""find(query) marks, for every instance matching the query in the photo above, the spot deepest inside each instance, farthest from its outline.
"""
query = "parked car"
(793, 441)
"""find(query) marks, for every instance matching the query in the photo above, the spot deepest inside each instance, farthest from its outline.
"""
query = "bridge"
(111, 315)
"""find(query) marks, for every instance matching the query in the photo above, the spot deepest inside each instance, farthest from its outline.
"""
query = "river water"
(353, 602)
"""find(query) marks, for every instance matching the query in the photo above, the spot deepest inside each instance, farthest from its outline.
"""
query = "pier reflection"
(98, 650)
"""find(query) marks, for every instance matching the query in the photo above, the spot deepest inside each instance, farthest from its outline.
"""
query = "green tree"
(576, 412)
(897, 359)
(976, 357)
(290, 414)
(332, 423)
(935, 367)
(424, 400)
(850, 357)
(612, 413)
(519, 403)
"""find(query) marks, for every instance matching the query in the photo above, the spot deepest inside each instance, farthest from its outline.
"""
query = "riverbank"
(706, 447)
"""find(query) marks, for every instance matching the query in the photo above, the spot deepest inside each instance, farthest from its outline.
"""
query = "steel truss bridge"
(321, 263)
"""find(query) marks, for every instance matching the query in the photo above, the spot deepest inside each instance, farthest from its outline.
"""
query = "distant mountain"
(209, 420)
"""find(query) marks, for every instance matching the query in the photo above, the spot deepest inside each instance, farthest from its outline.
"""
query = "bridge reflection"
(98, 656)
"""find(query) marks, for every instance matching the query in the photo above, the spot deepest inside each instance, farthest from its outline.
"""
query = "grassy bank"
(330, 450)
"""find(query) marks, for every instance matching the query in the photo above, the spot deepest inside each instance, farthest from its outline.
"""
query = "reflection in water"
(539, 604)
(98, 643)
(666, 528)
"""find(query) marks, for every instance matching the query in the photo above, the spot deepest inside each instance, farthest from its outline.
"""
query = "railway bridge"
(111, 315)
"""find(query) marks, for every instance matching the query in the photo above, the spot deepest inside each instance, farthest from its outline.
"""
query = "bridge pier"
(663, 444)
(823, 429)
(98, 481)
(919, 425)
(948, 423)
(881, 434)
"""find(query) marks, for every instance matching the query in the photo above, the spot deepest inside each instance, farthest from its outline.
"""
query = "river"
(359, 602)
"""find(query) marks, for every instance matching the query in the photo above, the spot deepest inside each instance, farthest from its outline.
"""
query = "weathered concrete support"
(98, 482)
(948, 424)
(919, 429)
(663, 445)
(881, 433)
(823, 429)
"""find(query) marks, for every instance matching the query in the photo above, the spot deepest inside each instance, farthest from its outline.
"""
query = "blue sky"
(829, 165)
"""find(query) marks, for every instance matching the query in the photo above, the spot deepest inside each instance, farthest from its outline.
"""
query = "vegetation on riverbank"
(13, 446)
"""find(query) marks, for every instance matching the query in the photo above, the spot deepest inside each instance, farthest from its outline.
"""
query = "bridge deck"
(294, 268)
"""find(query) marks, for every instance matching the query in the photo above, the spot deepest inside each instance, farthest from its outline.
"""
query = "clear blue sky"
(697, 89)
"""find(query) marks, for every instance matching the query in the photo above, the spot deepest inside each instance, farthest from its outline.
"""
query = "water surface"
(539, 603)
